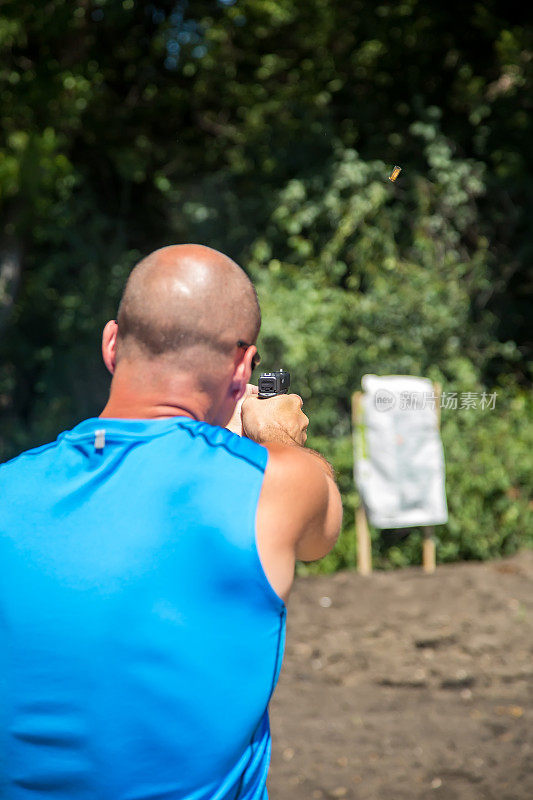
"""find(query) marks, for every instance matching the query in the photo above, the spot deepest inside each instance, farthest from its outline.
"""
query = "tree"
(267, 129)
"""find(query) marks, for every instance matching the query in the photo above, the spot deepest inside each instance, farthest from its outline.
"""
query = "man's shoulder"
(236, 446)
(292, 468)
(301, 500)
(24, 458)
(26, 474)
(292, 455)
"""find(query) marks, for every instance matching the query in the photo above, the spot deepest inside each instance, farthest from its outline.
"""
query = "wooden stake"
(429, 561)
(428, 550)
(364, 545)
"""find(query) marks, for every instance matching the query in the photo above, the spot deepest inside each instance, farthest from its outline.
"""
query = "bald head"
(186, 300)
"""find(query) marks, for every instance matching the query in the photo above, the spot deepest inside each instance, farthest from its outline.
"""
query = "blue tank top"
(140, 640)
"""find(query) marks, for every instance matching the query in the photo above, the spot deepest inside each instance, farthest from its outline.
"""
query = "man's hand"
(276, 419)
(235, 423)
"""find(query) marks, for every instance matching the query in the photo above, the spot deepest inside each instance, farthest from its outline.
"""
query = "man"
(147, 555)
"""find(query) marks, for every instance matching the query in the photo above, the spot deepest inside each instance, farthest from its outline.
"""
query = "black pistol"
(272, 383)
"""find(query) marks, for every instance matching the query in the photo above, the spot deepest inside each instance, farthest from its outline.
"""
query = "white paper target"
(399, 459)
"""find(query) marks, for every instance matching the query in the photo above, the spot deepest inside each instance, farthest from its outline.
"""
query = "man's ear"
(109, 345)
(242, 373)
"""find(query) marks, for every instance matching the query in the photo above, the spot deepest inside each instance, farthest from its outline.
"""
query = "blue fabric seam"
(34, 451)
(127, 436)
(282, 616)
(232, 452)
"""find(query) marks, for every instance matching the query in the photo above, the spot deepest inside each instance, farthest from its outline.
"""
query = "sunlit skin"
(174, 352)
(202, 287)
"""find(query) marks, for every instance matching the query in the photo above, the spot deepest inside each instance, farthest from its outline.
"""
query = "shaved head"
(185, 303)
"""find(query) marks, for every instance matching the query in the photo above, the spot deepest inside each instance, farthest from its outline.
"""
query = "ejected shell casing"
(394, 174)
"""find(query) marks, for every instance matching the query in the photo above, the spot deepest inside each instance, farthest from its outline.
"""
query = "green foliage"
(268, 129)
(489, 459)
(489, 474)
(357, 287)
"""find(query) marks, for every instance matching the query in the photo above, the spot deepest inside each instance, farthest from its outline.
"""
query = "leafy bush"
(489, 474)
(268, 130)
(368, 279)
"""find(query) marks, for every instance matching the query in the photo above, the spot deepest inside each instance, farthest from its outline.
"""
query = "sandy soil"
(403, 686)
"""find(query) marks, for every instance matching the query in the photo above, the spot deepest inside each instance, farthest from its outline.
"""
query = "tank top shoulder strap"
(239, 446)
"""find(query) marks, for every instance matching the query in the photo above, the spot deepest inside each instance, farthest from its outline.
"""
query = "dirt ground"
(403, 685)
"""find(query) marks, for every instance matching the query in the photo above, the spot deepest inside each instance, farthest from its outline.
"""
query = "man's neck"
(139, 410)
(133, 397)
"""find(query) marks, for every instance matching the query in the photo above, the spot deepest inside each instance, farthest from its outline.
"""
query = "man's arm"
(301, 488)
(300, 498)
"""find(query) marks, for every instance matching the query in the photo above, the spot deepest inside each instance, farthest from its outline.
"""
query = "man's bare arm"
(321, 519)
(300, 492)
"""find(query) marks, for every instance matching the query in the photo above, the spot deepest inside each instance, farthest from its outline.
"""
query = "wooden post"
(364, 545)
(428, 550)
(428, 545)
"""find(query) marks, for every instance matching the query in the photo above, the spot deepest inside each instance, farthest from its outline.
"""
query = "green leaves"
(268, 129)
